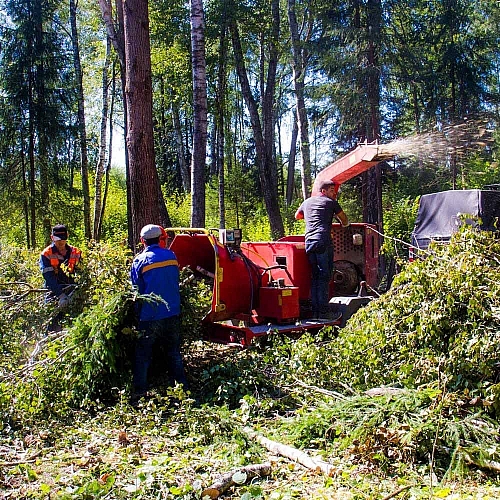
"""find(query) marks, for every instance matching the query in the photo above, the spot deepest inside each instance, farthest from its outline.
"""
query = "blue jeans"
(153, 334)
(322, 273)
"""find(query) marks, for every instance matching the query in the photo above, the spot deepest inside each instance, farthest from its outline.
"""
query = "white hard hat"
(151, 231)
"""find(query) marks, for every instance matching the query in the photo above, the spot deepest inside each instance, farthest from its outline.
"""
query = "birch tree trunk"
(110, 152)
(101, 165)
(84, 163)
(198, 159)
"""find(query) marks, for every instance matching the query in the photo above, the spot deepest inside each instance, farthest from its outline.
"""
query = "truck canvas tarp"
(441, 214)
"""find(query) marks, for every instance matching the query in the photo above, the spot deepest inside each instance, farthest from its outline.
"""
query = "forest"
(219, 114)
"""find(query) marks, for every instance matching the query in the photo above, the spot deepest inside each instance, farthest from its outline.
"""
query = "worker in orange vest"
(58, 263)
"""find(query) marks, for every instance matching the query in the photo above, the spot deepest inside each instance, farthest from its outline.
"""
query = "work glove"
(63, 300)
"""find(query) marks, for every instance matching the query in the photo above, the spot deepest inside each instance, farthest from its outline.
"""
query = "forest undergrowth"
(401, 403)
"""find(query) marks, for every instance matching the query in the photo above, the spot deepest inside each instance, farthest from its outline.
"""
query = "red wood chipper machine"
(264, 287)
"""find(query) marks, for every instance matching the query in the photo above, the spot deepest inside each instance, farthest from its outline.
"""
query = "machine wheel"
(345, 277)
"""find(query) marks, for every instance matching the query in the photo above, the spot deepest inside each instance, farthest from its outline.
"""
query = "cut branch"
(292, 453)
(332, 394)
(224, 482)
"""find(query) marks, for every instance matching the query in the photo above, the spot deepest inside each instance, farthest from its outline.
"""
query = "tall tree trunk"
(31, 153)
(84, 163)
(198, 159)
(220, 110)
(268, 102)
(139, 98)
(101, 164)
(110, 153)
(41, 117)
(290, 184)
(264, 132)
(372, 203)
(181, 153)
(299, 74)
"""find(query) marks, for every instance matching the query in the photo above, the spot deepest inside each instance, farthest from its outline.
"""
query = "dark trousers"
(322, 272)
(155, 334)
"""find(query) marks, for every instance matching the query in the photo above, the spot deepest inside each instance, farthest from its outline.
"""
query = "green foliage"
(399, 427)
(250, 215)
(307, 392)
(479, 172)
(22, 311)
(196, 300)
(85, 362)
(438, 322)
(240, 374)
(179, 209)
(114, 224)
(399, 220)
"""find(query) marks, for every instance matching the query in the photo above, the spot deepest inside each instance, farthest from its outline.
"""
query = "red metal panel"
(292, 254)
(364, 257)
(235, 284)
(279, 304)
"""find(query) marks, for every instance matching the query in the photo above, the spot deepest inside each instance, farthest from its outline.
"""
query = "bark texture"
(263, 131)
(198, 158)
(144, 183)
(82, 129)
(299, 64)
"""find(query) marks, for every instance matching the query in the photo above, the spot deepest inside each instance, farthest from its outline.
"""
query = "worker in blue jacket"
(155, 273)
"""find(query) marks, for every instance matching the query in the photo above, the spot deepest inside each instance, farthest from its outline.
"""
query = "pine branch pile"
(433, 337)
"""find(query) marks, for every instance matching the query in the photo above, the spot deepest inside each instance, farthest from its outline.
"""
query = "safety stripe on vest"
(156, 265)
(54, 256)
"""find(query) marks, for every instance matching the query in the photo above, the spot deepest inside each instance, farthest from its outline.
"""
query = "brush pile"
(414, 376)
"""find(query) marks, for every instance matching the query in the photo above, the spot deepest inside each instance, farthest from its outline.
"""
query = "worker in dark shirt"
(155, 272)
(318, 212)
(58, 263)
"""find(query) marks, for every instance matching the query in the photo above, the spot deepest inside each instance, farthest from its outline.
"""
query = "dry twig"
(398, 491)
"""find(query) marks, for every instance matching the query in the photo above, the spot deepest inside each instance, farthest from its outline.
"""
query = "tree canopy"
(346, 72)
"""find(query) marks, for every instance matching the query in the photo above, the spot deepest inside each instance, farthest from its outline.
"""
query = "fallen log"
(238, 476)
(292, 453)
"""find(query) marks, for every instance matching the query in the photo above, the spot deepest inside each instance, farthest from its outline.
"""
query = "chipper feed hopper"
(263, 287)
